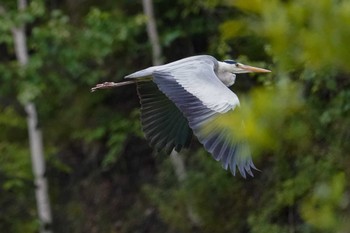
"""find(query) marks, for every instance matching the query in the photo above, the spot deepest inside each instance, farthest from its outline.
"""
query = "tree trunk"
(35, 136)
(152, 32)
(176, 159)
(180, 171)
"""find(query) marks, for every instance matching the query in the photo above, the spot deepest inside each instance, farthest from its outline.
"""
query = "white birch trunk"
(152, 32)
(38, 165)
(35, 136)
(176, 159)
(180, 171)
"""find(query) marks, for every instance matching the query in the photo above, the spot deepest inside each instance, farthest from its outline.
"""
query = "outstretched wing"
(165, 127)
(196, 90)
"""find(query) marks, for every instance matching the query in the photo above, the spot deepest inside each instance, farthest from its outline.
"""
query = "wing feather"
(201, 108)
(197, 76)
(193, 87)
(164, 125)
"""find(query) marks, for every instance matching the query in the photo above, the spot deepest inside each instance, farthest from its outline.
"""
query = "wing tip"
(238, 160)
(244, 170)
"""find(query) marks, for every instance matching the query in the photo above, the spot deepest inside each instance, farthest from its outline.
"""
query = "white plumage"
(184, 98)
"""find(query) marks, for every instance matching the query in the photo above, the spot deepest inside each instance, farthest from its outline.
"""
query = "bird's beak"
(251, 69)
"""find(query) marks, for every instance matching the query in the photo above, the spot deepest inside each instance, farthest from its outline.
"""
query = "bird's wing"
(165, 127)
(199, 94)
(196, 75)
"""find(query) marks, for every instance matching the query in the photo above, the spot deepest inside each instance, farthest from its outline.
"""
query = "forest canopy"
(102, 174)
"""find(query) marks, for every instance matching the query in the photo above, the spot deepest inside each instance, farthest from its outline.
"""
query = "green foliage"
(16, 193)
(295, 27)
(320, 208)
(65, 60)
(170, 200)
(268, 118)
(103, 176)
(297, 124)
(300, 124)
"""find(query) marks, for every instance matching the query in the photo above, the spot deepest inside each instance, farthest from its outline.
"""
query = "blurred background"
(103, 177)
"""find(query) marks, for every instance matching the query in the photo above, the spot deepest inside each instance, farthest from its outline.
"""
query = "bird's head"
(239, 68)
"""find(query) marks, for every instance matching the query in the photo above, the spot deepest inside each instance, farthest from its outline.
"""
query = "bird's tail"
(142, 73)
(108, 85)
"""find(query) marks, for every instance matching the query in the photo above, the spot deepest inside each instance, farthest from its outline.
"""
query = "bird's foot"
(105, 85)
(108, 85)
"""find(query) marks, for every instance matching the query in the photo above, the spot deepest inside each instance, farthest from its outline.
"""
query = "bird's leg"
(108, 85)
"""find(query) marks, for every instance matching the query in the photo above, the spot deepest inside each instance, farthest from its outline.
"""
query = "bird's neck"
(225, 74)
(225, 67)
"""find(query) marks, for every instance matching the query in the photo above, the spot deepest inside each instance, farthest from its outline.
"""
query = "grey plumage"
(185, 97)
(198, 88)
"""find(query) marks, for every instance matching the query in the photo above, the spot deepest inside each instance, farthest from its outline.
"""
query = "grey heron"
(181, 98)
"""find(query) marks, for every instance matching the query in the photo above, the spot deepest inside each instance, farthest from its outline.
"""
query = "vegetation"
(103, 176)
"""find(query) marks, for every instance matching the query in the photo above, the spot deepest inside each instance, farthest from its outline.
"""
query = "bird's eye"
(237, 65)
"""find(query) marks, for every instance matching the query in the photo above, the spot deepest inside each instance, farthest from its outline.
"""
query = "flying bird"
(182, 98)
